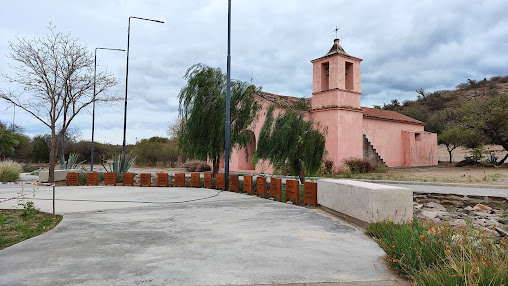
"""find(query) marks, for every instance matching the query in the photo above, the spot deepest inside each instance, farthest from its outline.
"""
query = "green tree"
(150, 151)
(23, 152)
(203, 114)
(394, 105)
(40, 148)
(53, 79)
(452, 138)
(8, 141)
(291, 139)
(489, 118)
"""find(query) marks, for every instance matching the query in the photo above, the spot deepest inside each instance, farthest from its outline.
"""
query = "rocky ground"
(488, 214)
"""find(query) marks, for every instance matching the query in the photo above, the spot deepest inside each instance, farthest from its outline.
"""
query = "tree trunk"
(299, 170)
(450, 152)
(215, 163)
(502, 161)
(53, 152)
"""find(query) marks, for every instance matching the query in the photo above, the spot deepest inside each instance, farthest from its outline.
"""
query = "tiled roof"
(368, 112)
(278, 99)
(336, 49)
(387, 115)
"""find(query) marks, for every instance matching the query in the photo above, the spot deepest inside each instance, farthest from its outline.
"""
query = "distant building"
(353, 131)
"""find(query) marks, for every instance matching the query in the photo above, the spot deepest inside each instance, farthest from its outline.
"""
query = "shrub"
(9, 171)
(432, 254)
(82, 179)
(196, 166)
(359, 165)
(328, 167)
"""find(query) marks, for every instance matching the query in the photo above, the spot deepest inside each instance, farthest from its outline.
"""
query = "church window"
(325, 75)
(349, 76)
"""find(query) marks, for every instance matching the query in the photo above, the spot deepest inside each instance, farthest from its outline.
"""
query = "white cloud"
(404, 46)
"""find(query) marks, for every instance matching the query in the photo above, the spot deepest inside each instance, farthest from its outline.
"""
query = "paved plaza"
(185, 236)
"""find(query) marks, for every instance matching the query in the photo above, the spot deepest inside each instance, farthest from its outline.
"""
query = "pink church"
(353, 131)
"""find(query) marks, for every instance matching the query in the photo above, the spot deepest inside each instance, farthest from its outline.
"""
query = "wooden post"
(247, 184)
(128, 179)
(194, 178)
(292, 191)
(275, 188)
(310, 194)
(72, 179)
(179, 180)
(220, 182)
(145, 180)
(162, 179)
(261, 186)
(234, 184)
(110, 179)
(92, 179)
(208, 181)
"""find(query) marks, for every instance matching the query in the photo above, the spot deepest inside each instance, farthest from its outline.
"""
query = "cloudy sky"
(405, 45)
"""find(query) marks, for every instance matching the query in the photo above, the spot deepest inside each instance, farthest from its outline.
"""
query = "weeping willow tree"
(203, 114)
(291, 140)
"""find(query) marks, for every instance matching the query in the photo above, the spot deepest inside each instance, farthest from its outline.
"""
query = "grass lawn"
(18, 225)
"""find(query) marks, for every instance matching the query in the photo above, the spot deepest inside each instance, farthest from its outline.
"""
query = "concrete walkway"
(183, 236)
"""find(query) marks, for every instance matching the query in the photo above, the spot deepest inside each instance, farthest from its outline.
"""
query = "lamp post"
(93, 104)
(126, 86)
(228, 99)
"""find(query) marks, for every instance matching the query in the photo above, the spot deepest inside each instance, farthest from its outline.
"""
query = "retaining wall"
(366, 202)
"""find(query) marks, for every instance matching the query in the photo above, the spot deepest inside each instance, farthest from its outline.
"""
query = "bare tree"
(53, 79)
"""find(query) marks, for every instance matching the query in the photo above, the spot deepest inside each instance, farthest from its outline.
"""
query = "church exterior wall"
(336, 98)
(419, 149)
(237, 158)
(386, 138)
(401, 144)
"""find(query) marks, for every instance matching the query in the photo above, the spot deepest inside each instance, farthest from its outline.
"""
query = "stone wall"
(484, 213)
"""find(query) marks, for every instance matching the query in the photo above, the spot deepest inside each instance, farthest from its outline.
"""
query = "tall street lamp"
(228, 99)
(126, 85)
(93, 109)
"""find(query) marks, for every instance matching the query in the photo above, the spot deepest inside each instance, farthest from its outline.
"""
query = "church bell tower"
(336, 95)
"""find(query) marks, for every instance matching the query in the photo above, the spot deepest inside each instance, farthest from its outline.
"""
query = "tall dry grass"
(432, 254)
(9, 171)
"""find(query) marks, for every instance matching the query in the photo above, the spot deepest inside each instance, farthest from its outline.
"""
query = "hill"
(440, 107)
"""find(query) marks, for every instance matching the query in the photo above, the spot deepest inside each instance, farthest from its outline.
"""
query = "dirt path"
(445, 174)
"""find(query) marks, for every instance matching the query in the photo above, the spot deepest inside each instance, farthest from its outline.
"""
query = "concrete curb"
(435, 184)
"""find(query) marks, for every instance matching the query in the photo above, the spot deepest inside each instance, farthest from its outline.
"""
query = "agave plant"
(72, 162)
(116, 166)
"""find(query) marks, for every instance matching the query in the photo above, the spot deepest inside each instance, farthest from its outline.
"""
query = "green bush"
(82, 179)
(9, 171)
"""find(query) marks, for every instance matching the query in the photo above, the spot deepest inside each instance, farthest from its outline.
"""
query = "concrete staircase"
(370, 153)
